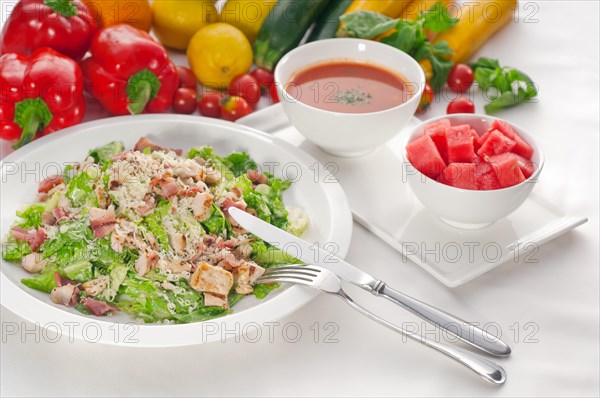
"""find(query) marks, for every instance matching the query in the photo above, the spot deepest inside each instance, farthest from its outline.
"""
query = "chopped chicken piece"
(33, 262)
(65, 295)
(177, 241)
(202, 205)
(246, 275)
(94, 287)
(147, 260)
(210, 279)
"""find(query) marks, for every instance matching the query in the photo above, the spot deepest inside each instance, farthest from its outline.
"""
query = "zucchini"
(284, 28)
(328, 22)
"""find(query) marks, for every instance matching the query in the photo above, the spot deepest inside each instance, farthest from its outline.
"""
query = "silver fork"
(327, 281)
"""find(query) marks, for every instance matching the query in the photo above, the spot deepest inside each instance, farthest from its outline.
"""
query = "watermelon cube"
(504, 128)
(437, 132)
(495, 144)
(507, 169)
(521, 146)
(485, 176)
(460, 144)
(460, 175)
(425, 157)
(526, 165)
(475, 138)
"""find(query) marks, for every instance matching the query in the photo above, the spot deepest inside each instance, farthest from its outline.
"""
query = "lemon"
(219, 52)
(176, 21)
(247, 15)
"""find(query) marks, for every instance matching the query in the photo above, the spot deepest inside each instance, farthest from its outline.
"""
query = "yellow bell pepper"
(476, 25)
(176, 21)
(136, 13)
(247, 15)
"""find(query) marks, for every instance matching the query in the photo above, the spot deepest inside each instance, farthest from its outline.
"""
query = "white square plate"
(385, 205)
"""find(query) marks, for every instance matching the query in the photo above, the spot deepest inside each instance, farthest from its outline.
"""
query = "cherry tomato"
(460, 78)
(263, 77)
(426, 99)
(187, 77)
(273, 96)
(460, 105)
(185, 100)
(210, 104)
(234, 108)
(245, 86)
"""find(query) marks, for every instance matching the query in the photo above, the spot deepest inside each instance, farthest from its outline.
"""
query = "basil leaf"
(484, 62)
(367, 24)
(404, 38)
(441, 69)
(437, 18)
(441, 48)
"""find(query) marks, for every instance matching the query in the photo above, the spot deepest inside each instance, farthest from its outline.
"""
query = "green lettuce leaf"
(263, 289)
(217, 223)
(154, 223)
(80, 190)
(14, 250)
(31, 216)
(104, 154)
(239, 163)
(43, 282)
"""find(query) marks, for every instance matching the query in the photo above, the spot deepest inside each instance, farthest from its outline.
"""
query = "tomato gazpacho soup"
(349, 86)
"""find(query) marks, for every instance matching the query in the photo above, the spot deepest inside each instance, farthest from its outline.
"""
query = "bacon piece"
(98, 307)
(227, 203)
(31, 236)
(169, 189)
(145, 142)
(148, 207)
(65, 295)
(102, 221)
(50, 182)
(48, 218)
(60, 281)
(60, 214)
(257, 177)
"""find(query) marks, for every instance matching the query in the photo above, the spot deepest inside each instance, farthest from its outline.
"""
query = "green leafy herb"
(505, 86)
(366, 24)
(103, 154)
(411, 37)
(207, 153)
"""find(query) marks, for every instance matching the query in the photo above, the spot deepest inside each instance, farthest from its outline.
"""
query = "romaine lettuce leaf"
(154, 223)
(239, 163)
(43, 282)
(103, 154)
(217, 223)
(14, 250)
(80, 190)
(31, 216)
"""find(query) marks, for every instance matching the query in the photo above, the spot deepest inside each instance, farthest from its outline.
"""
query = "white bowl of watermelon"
(471, 170)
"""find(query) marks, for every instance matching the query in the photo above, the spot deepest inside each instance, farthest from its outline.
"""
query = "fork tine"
(292, 272)
(301, 281)
(295, 267)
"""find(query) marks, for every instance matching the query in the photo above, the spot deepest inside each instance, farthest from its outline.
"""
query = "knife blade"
(313, 254)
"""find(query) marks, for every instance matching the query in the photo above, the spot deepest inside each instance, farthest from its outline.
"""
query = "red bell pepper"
(64, 25)
(41, 93)
(129, 72)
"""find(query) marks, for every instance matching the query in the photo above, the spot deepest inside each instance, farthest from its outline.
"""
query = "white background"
(556, 299)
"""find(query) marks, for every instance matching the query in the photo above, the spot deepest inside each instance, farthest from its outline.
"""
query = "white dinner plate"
(323, 200)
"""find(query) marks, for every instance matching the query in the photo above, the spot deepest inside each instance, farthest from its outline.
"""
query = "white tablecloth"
(548, 311)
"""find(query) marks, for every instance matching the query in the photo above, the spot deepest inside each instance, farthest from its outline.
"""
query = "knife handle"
(465, 331)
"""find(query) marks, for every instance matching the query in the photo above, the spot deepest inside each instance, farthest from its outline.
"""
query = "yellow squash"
(390, 8)
(247, 15)
(176, 21)
(477, 24)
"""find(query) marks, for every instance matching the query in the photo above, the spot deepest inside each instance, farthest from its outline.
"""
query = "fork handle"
(465, 331)
(485, 368)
